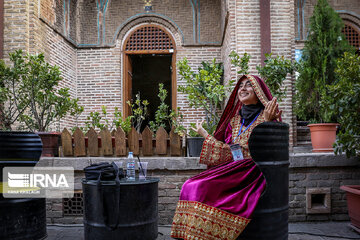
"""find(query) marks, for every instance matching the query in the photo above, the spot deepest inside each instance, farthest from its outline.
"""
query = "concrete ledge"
(298, 160)
(306, 160)
(159, 163)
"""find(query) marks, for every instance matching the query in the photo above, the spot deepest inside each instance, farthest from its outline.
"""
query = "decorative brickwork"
(149, 37)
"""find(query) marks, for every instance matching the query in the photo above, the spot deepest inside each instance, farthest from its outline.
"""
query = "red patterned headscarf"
(234, 105)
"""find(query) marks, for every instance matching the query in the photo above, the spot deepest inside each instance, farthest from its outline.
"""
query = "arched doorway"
(149, 59)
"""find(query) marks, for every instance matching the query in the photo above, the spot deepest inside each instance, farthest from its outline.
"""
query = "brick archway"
(147, 39)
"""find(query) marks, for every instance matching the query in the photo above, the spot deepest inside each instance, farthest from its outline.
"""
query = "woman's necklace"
(242, 124)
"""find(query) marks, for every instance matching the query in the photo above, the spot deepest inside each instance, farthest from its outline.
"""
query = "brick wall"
(282, 44)
(95, 23)
(307, 171)
(229, 43)
(99, 79)
(16, 26)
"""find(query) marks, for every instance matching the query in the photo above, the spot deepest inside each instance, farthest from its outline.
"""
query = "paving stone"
(297, 231)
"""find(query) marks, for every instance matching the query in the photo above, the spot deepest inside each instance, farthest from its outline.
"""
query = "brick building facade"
(87, 38)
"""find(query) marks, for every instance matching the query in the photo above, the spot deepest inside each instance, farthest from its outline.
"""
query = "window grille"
(74, 206)
(149, 38)
(352, 36)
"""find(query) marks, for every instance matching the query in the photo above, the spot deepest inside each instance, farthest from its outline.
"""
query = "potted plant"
(13, 151)
(324, 45)
(32, 85)
(205, 90)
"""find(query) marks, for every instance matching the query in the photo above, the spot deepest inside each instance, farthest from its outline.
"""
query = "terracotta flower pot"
(50, 142)
(323, 136)
(353, 201)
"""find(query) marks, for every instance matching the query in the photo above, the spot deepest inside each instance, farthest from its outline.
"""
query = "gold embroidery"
(243, 139)
(205, 222)
(214, 152)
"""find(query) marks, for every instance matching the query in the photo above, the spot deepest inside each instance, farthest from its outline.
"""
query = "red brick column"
(265, 29)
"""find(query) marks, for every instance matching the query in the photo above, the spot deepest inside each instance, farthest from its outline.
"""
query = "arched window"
(352, 35)
(149, 37)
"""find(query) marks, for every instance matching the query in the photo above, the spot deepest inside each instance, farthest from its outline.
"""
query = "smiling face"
(246, 93)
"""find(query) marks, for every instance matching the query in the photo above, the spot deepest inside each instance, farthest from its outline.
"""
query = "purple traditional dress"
(218, 203)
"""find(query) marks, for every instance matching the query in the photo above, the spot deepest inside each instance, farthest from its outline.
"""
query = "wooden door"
(127, 88)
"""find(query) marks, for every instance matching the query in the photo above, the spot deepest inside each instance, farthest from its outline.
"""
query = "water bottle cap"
(130, 152)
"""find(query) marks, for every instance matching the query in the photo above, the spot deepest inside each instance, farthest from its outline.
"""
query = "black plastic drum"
(21, 218)
(138, 213)
(269, 148)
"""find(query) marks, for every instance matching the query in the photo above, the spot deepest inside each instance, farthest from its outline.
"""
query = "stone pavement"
(297, 231)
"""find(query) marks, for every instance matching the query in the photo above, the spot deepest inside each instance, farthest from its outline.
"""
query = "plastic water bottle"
(130, 167)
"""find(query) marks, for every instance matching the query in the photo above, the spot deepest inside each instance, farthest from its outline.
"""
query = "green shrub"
(344, 101)
(324, 45)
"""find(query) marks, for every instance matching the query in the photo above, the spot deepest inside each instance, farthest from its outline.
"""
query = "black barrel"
(138, 213)
(19, 149)
(269, 148)
(21, 218)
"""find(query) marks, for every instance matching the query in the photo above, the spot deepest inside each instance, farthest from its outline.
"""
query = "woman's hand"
(199, 129)
(270, 113)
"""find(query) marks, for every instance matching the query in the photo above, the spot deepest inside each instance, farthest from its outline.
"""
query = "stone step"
(303, 138)
(304, 143)
(302, 149)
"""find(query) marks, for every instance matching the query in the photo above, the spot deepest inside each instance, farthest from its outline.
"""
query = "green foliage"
(139, 111)
(12, 102)
(165, 118)
(274, 73)
(162, 118)
(101, 120)
(242, 63)
(177, 120)
(325, 44)
(204, 89)
(192, 133)
(119, 121)
(30, 85)
(344, 101)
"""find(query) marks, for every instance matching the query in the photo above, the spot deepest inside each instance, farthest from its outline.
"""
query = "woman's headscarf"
(234, 105)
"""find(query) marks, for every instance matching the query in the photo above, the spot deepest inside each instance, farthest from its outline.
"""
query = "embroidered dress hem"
(196, 220)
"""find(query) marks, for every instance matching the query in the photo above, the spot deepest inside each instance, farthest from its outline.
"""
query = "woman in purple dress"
(218, 203)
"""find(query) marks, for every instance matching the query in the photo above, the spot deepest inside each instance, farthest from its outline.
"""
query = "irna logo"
(37, 180)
